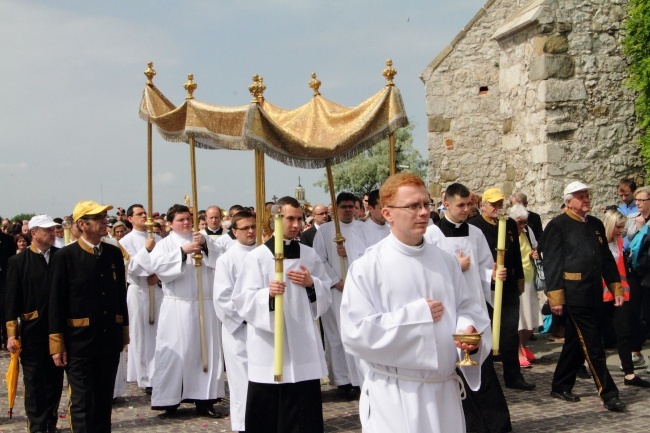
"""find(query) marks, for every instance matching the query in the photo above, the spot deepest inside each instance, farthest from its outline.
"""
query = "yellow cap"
(493, 195)
(84, 208)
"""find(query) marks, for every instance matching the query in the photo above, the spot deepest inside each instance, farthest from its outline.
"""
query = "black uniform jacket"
(88, 314)
(512, 259)
(576, 260)
(28, 296)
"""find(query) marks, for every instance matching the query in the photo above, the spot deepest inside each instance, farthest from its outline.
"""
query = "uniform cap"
(42, 221)
(575, 187)
(493, 195)
(84, 208)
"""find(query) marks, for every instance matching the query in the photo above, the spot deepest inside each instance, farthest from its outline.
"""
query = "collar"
(214, 232)
(35, 250)
(87, 246)
(575, 216)
(457, 225)
(488, 219)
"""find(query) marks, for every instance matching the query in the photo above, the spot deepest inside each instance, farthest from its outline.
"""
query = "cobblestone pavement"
(530, 411)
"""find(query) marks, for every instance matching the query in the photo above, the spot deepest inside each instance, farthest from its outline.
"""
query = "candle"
(278, 340)
(498, 285)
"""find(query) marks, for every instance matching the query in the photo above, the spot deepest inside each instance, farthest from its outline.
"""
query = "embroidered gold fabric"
(310, 136)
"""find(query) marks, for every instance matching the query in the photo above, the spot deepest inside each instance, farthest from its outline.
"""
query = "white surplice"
(374, 232)
(233, 331)
(411, 386)
(343, 368)
(479, 274)
(178, 372)
(303, 349)
(142, 346)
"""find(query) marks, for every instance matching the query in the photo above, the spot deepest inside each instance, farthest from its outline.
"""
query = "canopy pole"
(150, 73)
(391, 153)
(257, 89)
(191, 86)
(260, 194)
(338, 239)
(389, 73)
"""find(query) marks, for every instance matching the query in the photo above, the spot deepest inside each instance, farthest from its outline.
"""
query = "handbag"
(539, 280)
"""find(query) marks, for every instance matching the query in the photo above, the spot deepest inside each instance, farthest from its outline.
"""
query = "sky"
(71, 80)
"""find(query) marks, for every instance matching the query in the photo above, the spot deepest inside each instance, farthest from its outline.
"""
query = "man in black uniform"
(7, 249)
(28, 296)
(576, 261)
(88, 318)
(513, 286)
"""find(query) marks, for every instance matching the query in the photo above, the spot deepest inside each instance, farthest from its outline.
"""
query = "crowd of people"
(371, 298)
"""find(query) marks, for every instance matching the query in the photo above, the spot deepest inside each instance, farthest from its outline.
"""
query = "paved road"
(531, 411)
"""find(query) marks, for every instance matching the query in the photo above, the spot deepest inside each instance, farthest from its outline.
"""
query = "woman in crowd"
(529, 311)
(623, 317)
(23, 242)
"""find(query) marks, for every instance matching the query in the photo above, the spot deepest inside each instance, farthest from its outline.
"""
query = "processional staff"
(150, 73)
(190, 86)
(389, 73)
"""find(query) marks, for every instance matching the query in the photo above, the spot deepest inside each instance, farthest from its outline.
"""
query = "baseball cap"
(42, 221)
(575, 187)
(493, 195)
(84, 208)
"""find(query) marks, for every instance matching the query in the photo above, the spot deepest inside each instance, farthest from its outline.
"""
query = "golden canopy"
(319, 133)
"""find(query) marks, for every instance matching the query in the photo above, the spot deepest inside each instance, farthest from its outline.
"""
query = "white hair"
(518, 211)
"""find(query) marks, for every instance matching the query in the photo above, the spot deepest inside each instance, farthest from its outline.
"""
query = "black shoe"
(52, 429)
(637, 381)
(615, 405)
(522, 385)
(208, 411)
(566, 396)
(532, 337)
(148, 390)
(171, 411)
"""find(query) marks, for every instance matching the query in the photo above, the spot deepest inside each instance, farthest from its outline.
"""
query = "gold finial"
(389, 73)
(257, 89)
(190, 86)
(150, 73)
(315, 84)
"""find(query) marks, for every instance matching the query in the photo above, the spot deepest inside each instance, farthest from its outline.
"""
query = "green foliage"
(637, 49)
(368, 170)
(23, 216)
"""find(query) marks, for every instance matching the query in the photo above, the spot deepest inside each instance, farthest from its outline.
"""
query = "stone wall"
(554, 109)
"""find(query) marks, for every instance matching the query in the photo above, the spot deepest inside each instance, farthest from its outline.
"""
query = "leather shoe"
(209, 412)
(522, 385)
(615, 405)
(637, 381)
(565, 395)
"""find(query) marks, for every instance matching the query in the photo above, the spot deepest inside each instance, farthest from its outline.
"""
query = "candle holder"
(473, 339)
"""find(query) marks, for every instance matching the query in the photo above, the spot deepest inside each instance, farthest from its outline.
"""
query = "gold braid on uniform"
(56, 344)
(616, 289)
(556, 297)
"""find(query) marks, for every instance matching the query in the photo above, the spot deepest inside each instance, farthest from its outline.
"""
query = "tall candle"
(278, 340)
(498, 285)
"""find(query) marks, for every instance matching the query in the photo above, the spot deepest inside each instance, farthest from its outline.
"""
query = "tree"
(368, 170)
(637, 49)
(23, 216)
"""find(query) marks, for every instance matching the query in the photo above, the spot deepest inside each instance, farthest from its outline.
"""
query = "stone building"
(529, 97)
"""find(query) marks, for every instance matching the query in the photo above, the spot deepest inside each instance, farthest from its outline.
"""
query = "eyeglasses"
(99, 217)
(642, 200)
(245, 229)
(522, 222)
(415, 207)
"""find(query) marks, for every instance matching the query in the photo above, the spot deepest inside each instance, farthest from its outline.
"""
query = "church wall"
(559, 112)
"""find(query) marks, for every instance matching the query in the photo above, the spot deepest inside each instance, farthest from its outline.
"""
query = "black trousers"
(620, 318)
(640, 320)
(284, 408)
(486, 410)
(43, 386)
(91, 382)
(509, 342)
(583, 341)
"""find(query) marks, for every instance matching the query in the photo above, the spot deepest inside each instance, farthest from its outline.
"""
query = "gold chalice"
(473, 339)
